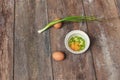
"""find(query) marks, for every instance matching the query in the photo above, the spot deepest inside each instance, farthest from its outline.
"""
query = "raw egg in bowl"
(77, 41)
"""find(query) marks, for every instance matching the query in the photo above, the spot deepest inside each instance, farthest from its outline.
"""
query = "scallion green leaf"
(69, 19)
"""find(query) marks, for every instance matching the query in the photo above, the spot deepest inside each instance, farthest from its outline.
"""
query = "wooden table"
(26, 55)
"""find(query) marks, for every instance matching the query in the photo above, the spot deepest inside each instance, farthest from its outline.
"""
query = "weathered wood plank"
(74, 67)
(6, 39)
(32, 53)
(105, 38)
(117, 3)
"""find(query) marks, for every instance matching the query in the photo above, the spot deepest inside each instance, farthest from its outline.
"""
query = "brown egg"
(58, 25)
(58, 56)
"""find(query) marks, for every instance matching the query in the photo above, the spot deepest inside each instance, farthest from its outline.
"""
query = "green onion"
(69, 19)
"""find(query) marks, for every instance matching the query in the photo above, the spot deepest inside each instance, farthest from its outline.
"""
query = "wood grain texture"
(26, 55)
(6, 39)
(32, 53)
(74, 67)
(105, 38)
(117, 3)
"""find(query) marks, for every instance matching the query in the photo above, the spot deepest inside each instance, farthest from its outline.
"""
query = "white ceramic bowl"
(77, 33)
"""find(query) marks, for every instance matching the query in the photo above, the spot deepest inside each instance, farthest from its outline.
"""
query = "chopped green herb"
(76, 43)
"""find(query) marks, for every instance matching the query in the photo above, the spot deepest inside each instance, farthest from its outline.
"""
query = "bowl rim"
(81, 33)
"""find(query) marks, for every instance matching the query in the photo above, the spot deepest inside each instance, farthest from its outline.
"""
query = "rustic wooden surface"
(26, 55)
(6, 39)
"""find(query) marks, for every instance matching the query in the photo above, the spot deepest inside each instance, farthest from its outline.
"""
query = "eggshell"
(57, 25)
(58, 56)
